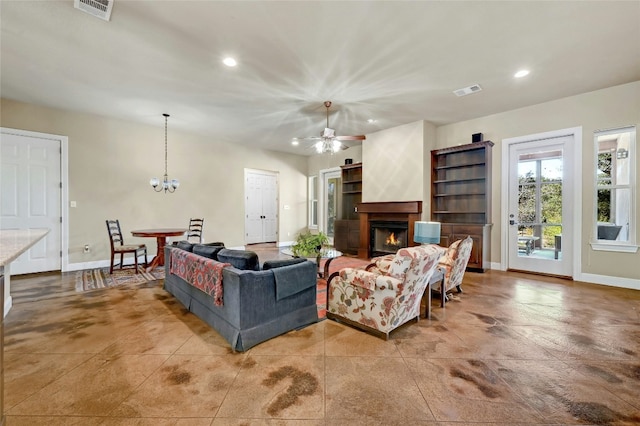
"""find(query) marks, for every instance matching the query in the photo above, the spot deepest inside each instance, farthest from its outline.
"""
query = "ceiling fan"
(328, 142)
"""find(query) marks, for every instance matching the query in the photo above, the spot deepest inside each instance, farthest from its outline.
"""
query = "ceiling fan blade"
(308, 138)
(351, 138)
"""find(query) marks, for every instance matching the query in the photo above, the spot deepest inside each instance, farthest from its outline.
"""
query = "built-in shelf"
(459, 180)
(347, 225)
(461, 197)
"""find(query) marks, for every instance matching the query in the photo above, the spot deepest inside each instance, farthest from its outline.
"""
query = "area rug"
(94, 279)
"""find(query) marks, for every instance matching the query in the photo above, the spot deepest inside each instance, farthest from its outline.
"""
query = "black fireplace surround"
(387, 237)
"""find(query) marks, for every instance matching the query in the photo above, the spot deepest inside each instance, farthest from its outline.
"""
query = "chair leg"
(459, 288)
(111, 267)
(443, 293)
(135, 260)
(427, 311)
(121, 260)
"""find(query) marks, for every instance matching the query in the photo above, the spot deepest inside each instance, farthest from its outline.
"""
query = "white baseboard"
(285, 243)
(496, 265)
(629, 283)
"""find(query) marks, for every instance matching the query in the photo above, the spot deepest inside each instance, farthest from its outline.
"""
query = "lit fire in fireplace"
(391, 240)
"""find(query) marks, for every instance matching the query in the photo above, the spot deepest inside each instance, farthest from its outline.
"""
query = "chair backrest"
(456, 260)
(195, 229)
(115, 234)
(415, 265)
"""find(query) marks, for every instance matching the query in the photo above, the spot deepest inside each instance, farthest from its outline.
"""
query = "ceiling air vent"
(468, 90)
(98, 8)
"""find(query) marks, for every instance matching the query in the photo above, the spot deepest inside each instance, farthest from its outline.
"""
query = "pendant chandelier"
(167, 185)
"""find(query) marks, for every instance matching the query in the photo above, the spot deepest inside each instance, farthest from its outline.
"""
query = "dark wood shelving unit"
(461, 198)
(347, 225)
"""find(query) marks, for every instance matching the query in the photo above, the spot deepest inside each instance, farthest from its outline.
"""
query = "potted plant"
(308, 244)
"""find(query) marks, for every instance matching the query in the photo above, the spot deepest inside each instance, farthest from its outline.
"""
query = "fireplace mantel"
(409, 211)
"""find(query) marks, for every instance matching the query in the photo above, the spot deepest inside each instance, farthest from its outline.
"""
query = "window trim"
(629, 246)
(312, 189)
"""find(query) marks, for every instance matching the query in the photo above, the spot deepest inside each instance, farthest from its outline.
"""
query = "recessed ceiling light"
(521, 73)
(295, 143)
(230, 62)
(371, 120)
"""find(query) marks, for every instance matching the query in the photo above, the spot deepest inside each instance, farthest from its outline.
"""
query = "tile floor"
(512, 349)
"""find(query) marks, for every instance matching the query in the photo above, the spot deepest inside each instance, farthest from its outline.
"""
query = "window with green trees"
(540, 196)
(615, 185)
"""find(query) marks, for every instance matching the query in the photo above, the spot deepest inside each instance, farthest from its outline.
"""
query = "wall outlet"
(86, 248)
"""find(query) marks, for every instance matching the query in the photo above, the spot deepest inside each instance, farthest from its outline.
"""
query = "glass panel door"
(538, 207)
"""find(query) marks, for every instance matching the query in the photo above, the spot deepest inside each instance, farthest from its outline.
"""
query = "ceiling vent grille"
(98, 8)
(468, 90)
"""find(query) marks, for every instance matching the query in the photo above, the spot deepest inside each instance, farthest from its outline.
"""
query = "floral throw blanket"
(202, 273)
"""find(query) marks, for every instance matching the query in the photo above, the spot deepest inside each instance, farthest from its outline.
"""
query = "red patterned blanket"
(202, 273)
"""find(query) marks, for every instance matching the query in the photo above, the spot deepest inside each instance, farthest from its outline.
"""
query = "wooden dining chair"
(118, 247)
(194, 234)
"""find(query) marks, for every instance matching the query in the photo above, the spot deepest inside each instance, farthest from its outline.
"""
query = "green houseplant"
(308, 244)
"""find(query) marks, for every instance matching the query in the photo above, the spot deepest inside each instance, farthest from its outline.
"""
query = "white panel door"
(270, 208)
(261, 207)
(30, 181)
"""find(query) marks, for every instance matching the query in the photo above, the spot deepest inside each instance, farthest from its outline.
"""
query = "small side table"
(327, 254)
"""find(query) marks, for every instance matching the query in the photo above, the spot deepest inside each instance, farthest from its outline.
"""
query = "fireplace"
(379, 220)
(387, 237)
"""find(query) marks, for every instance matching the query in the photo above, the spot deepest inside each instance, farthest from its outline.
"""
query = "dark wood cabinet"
(461, 197)
(347, 225)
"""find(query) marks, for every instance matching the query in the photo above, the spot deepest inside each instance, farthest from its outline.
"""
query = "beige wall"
(607, 108)
(393, 164)
(111, 162)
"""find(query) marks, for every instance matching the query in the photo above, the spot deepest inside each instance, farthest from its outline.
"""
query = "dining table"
(160, 234)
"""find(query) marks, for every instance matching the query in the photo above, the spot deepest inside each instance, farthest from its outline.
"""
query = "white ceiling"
(396, 62)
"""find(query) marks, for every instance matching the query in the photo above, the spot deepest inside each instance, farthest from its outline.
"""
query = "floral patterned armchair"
(451, 268)
(380, 302)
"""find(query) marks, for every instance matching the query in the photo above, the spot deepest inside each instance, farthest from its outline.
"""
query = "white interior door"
(540, 224)
(31, 197)
(261, 207)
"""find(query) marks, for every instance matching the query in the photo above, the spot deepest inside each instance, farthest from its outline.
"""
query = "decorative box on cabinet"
(347, 226)
(461, 197)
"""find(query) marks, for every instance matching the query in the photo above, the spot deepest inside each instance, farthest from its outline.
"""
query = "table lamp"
(426, 232)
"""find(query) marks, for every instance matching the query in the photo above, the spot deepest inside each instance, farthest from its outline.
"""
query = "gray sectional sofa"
(258, 302)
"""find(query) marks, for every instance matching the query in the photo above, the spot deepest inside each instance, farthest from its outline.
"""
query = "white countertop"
(14, 242)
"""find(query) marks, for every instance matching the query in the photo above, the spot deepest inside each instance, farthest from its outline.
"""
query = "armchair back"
(380, 301)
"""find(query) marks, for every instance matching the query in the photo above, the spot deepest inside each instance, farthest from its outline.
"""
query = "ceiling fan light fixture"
(230, 62)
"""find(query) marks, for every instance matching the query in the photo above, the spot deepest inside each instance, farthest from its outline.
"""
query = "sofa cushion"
(184, 245)
(277, 263)
(210, 251)
(241, 259)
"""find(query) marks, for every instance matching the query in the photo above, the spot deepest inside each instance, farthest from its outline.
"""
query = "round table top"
(328, 253)
(159, 232)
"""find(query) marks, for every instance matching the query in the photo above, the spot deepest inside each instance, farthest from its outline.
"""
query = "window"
(614, 212)
(313, 202)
